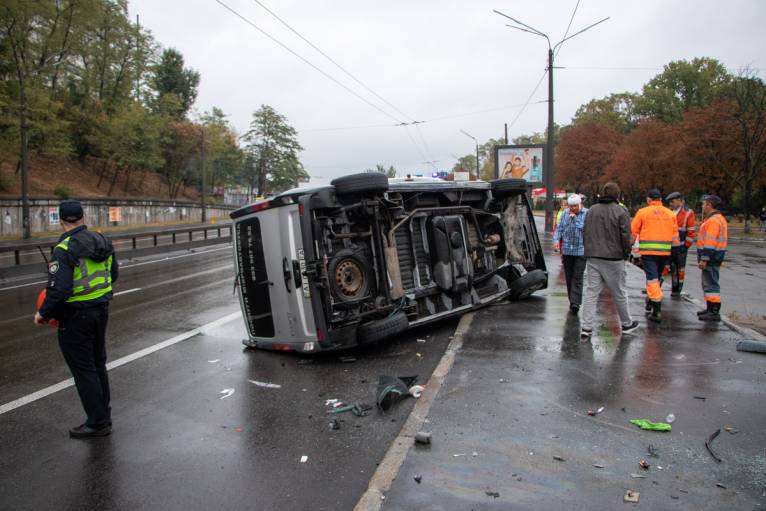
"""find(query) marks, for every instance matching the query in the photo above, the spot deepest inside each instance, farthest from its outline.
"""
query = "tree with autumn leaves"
(694, 129)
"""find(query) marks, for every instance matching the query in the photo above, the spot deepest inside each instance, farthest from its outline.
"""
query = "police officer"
(712, 243)
(80, 277)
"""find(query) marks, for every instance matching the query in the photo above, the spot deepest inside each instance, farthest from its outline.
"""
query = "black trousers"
(574, 267)
(82, 339)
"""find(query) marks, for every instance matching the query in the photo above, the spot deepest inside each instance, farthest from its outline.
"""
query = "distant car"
(365, 258)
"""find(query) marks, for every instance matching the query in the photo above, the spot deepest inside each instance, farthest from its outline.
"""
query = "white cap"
(574, 200)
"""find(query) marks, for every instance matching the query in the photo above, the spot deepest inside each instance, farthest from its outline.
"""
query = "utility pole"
(506, 133)
(204, 179)
(477, 151)
(138, 57)
(548, 164)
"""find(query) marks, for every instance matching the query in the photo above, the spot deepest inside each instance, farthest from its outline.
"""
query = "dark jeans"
(574, 267)
(653, 266)
(710, 284)
(82, 339)
(678, 267)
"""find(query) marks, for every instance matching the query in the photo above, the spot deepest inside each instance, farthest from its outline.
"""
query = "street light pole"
(477, 151)
(550, 149)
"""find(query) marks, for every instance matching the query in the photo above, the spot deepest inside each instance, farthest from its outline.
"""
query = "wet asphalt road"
(519, 392)
(176, 443)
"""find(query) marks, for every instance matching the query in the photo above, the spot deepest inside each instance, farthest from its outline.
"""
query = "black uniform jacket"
(84, 243)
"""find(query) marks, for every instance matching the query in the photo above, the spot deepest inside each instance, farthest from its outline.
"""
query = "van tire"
(504, 186)
(380, 329)
(361, 184)
(527, 284)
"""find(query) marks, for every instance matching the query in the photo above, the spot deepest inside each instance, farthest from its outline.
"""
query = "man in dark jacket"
(607, 247)
(80, 277)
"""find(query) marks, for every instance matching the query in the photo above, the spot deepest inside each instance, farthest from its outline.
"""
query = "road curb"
(743, 330)
(388, 469)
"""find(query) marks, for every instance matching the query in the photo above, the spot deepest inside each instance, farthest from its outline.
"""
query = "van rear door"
(270, 258)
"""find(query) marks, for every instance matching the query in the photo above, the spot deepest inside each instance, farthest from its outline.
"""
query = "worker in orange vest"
(657, 232)
(712, 242)
(686, 234)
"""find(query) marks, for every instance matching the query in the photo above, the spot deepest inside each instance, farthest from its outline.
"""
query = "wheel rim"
(349, 278)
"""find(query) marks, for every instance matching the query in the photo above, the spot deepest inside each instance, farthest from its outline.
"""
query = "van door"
(274, 300)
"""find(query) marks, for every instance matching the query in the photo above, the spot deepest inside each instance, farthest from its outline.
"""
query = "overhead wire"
(354, 78)
(309, 63)
(571, 19)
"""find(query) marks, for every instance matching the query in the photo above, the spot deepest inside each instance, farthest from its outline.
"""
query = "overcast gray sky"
(435, 61)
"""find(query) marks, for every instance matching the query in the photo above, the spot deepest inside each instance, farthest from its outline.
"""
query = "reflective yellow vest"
(91, 279)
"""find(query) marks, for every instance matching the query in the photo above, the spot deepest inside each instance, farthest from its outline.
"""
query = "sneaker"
(84, 431)
(626, 329)
(585, 334)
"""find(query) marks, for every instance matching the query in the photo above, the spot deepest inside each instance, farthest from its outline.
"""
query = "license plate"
(304, 279)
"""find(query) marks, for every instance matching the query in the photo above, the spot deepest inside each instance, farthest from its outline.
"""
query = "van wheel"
(382, 328)
(349, 276)
(361, 184)
(527, 284)
(503, 187)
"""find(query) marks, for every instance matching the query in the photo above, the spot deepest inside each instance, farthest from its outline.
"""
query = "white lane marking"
(47, 391)
(25, 285)
(127, 266)
(127, 291)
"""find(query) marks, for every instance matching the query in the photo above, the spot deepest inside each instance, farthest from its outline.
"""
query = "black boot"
(675, 291)
(648, 306)
(656, 315)
(713, 312)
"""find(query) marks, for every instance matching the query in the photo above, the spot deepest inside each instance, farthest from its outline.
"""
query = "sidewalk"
(519, 392)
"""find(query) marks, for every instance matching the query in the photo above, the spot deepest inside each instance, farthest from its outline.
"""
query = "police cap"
(70, 211)
(653, 193)
(714, 200)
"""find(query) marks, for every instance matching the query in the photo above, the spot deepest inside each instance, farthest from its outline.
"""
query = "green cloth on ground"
(654, 426)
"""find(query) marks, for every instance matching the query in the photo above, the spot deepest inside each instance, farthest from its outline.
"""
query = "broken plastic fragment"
(652, 426)
(416, 390)
(423, 437)
(226, 393)
(329, 402)
(304, 459)
(265, 385)
(391, 389)
(421, 340)
(592, 413)
(637, 476)
(670, 418)
(631, 496)
(214, 361)
(558, 458)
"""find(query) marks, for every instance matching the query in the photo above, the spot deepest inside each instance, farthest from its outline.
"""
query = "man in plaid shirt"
(570, 233)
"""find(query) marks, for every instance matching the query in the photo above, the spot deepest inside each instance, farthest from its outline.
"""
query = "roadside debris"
(334, 424)
(423, 437)
(392, 389)
(304, 459)
(329, 402)
(652, 450)
(265, 384)
(421, 340)
(730, 430)
(652, 426)
(558, 458)
(751, 346)
(631, 496)
(347, 360)
(721, 485)
(416, 390)
(597, 465)
(213, 361)
(592, 413)
(226, 393)
(637, 476)
(701, 398)
(458, 455)
(644, 464)
(418, 478)
(492, 494)
(358, 410)
(709, 445)
(670, 419)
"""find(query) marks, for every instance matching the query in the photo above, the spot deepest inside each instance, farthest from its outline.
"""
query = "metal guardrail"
(25, 258)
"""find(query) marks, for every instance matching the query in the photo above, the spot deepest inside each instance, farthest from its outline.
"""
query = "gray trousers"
(600, 273)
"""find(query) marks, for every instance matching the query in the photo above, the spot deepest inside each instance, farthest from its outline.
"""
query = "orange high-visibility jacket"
(657, 229)
(686, 227)
(713, 238)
